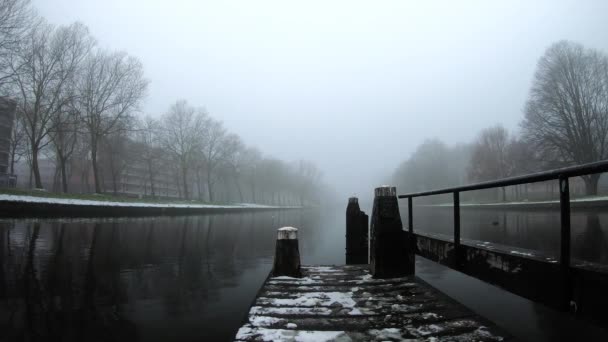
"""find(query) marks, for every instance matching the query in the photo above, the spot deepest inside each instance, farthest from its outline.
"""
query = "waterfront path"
(344, 303)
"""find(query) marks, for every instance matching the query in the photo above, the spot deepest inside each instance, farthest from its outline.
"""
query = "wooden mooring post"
(287, 253)
(392, 254)
(357, 235)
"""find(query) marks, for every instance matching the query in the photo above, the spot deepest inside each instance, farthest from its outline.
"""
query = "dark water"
(149, 279)
(536, 230)
(193, 278)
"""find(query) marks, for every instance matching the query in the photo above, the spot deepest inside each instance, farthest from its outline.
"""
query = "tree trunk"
(115, 182)
(591, 182)
(209, 186)
(56, 178)
(64, 176)
(35, 168)
(185, 180)
(199, 185)
(13, 154)
(94, 163)
(238, 188)
(151, 176)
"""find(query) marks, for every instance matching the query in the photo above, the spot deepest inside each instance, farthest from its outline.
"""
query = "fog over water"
(353, 86)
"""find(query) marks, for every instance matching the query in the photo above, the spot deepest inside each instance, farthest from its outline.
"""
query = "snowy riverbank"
(24, 205)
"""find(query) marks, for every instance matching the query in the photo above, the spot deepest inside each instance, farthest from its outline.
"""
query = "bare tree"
(115, 154)
(310, 176)
(489, 160)
(110, 88)
(566, 115)
(234, 158)
(148, 137)
(15, 18)
(42, 68)
(251, 160)
(428, 168)
(64, 133)
(523, 160)
(183, 126)
(212, 148)
(18, 143)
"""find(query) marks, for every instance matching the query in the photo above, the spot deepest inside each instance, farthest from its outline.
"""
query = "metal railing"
(562, 175)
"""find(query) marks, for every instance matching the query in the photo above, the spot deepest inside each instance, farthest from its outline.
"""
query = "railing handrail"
(571, 171)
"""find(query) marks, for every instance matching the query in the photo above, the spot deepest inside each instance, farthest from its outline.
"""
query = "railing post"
(411, 238)
(357, 236)
(287, 253)
(410, 217)
(564, 259)
(457, 250)
(391, 255)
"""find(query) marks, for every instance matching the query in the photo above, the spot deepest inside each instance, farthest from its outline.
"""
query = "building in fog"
(7, 118)
(125, 172)
(25, 177)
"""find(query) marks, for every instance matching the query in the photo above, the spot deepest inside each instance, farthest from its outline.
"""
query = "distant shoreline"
(20, 206)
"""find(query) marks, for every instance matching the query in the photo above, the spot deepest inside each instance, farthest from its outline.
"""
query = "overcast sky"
(353, 86)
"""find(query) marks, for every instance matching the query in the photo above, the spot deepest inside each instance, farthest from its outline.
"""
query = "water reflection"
(193, 278)
(147, 279)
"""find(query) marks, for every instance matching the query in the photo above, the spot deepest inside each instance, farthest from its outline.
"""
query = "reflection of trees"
(190, 290)
(31, 287)
(4, 253)
(591, 245)
(74, 281)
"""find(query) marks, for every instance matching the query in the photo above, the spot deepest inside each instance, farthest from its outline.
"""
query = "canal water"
(193, 278)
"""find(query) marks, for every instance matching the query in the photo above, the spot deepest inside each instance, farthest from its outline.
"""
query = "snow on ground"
(70, 201)
(288, 335)
(315, 299)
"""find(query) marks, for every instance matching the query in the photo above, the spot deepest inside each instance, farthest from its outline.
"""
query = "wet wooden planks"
(344, 303)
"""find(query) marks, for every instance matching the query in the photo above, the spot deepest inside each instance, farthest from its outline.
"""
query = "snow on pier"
(344, 303)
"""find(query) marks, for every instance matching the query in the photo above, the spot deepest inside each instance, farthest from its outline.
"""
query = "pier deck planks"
(344, 303)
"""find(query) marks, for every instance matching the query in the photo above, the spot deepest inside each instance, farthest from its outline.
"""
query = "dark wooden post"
(357, 237)
(391, 252)
(287, 253)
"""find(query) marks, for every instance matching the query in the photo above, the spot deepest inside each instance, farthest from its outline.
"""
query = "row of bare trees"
(565, 123)
(206, 156)
(65, 86)
(78, 102)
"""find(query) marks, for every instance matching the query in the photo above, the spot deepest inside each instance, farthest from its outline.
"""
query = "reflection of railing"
(8, 181)
(464, 257)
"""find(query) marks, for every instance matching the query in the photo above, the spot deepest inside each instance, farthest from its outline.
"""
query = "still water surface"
(193, 278)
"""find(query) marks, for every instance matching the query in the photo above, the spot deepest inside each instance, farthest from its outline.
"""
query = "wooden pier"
(383, 300)
(345, 303)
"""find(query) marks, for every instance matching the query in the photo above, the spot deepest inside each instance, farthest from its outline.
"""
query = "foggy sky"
(353, 86)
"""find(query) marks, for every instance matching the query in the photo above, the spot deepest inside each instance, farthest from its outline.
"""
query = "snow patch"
(429, 329)
(262, 334)
(312, 299)
(264, 321)
(386, 334)
(522, 253)
(71, 201)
